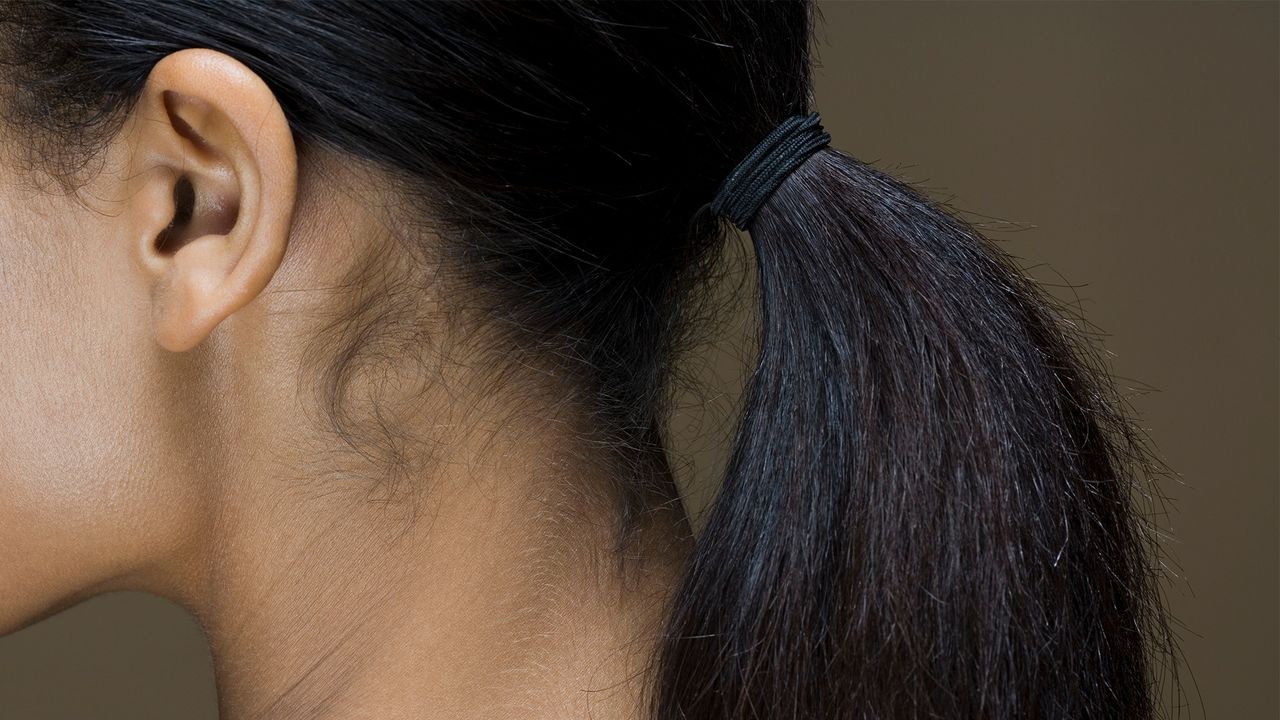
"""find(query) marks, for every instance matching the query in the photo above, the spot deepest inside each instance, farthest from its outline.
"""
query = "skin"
(160, 436)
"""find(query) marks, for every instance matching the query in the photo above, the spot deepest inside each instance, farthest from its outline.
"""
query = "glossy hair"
(934, 505)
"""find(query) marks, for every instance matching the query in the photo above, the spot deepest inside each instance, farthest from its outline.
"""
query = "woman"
(351, 329)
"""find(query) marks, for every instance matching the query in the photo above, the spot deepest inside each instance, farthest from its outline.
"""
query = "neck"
(487, 588)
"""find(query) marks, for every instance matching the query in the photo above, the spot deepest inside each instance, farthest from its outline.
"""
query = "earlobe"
(214, 175)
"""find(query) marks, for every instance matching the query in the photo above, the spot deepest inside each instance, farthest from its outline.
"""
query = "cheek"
(71, 489)
(69, 503)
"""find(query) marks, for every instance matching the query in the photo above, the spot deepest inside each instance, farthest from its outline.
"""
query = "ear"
(214, 180)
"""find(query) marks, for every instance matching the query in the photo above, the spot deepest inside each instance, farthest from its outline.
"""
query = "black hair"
(934, 502)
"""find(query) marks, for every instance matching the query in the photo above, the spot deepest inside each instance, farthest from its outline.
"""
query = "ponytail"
(928, 508)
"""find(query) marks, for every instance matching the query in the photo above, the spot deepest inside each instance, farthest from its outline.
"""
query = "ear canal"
(192, 218)
(177, 233)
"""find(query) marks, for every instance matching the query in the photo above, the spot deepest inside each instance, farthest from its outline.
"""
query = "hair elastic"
(754, 179)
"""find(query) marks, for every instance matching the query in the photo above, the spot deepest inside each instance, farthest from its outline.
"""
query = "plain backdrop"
(1127, 154)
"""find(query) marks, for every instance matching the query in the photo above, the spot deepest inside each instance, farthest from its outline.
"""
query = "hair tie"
(754, 179)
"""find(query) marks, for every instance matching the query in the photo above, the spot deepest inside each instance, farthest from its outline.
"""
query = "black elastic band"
(754, 179)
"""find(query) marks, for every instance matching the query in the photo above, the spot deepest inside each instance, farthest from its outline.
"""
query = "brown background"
(1127, 149)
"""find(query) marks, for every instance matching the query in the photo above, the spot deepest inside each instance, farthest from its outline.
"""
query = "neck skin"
(478, 581)
(492, 603)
